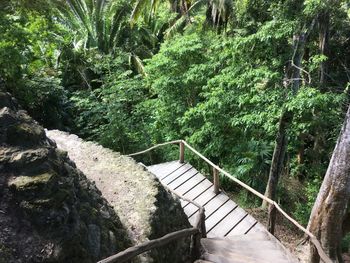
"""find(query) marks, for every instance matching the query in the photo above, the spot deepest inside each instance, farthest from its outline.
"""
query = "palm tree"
(97, 23)
(104, 25)
(218, 12)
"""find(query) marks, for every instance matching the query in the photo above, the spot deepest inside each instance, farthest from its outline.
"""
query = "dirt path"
(125, 185)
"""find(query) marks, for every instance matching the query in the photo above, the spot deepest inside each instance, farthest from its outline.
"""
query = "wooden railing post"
(201, 227)
(216, 180)
(196, 239)
(182, 153)
(272, 219)
(195, 247)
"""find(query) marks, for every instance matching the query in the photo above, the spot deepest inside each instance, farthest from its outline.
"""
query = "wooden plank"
(165, 171)
(230, 258)
(193, 182)
(172, 170)
(216, 203)
(217, 245)
(183, 202)
(182, 179)
(245, 250)
(214, 218)
(233, 218)
(261, 236)
(190, 209)
(239, 257)
(193, 218)
(202, 200)
(243, 227)
(179, 172)
(155, 167)
(205, 197)
(201, 189)
(258, 229)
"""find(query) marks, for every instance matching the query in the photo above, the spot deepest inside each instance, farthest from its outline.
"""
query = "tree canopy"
(260, 87)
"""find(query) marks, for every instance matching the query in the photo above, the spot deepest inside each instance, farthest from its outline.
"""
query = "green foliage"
(220, 87)
(13, 46)
(28, 59)
(116, 114)
(46, 101)
(346, 244)
(176, 74)
(304, 203)
(97, 24)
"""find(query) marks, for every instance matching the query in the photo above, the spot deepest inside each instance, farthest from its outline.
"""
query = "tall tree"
(323, 24)
(293, 79)
(330, 214)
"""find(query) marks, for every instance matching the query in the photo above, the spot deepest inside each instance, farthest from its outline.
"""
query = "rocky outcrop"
(143, 205)
(49, 210)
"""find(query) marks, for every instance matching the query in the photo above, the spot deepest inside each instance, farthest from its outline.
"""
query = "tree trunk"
(330, 209)
(278, 157)
(301, 156)
(323, 24)
(299, 41)
(295, 79)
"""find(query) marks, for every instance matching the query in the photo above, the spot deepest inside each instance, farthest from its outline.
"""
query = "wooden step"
(250, 236)
(233, 234)
(223, 216)
(246, 248)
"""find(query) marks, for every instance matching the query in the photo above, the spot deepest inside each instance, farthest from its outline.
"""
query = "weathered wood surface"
(252, 248)
(223, 216)
(233, 235)
(132, 252)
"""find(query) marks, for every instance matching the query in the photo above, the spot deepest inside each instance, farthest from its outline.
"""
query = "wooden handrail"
(132, 252)
(247, 187)
(154, 147)
(313, 239)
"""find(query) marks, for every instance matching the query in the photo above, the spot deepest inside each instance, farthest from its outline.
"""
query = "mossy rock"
(7, 101)
(50, 206)
(25, 134)
(23, 183)
(61, 195)
(5, 254)
(28, 159)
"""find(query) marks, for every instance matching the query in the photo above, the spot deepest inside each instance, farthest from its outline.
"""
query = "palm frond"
(116, 22)
(137, 11)
(137, 63)
(140, 7)
(176, 27)
(196, 5)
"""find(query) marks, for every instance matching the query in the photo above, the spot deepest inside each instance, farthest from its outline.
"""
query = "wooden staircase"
(252, 248)
(222, 231)
(234, 236)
